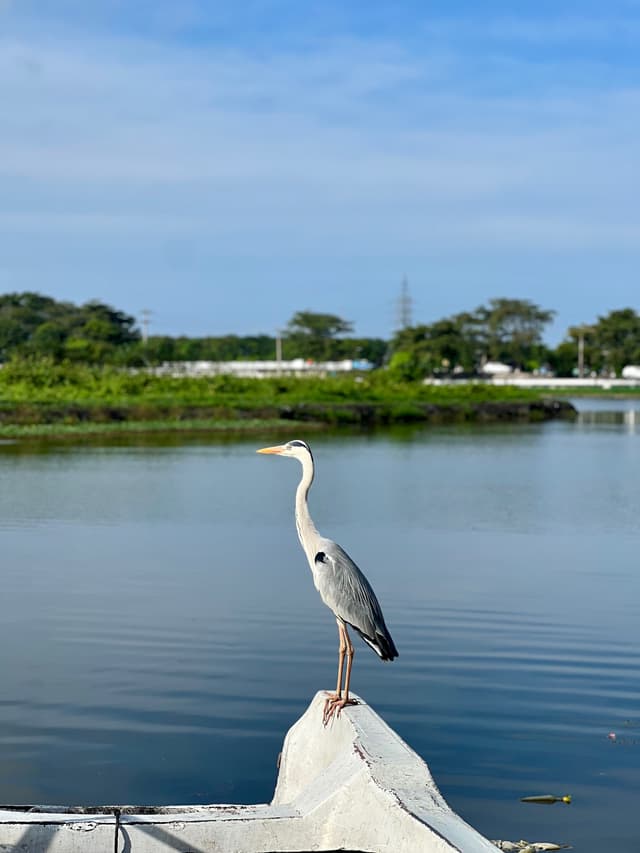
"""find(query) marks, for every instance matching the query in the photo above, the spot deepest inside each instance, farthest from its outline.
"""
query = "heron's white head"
(296, 448)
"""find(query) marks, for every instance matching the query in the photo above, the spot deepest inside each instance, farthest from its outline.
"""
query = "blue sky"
(226, 165)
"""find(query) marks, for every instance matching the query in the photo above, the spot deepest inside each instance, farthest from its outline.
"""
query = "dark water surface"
(159, 629)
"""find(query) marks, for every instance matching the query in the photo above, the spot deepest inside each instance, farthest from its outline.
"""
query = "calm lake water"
(160, 632)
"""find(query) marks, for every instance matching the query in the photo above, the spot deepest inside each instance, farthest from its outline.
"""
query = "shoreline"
(78, 421)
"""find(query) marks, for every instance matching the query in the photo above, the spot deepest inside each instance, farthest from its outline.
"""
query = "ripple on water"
(156, 648)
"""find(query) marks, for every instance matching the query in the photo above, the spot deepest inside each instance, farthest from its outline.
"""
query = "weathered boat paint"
(354, 785)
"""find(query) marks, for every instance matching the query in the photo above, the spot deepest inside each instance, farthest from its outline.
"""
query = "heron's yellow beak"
(277, 449)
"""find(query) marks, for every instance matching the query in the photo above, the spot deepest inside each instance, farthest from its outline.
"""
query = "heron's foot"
(331, 699)
(333, 706)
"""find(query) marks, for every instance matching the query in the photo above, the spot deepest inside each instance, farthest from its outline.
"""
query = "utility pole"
(278, 345)
(404, 306)
(581, 354)
(579, 332)
(146, 319)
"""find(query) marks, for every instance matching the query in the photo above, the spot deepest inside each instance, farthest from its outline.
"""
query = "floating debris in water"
(547, 799)
(528, 846)
(613, 736)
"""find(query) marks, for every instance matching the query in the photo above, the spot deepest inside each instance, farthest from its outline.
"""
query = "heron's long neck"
(305, 526)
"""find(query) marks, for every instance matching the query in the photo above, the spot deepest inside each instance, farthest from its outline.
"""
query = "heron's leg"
(334, 706)
(344, 638)
(342, 649)
(350, 654)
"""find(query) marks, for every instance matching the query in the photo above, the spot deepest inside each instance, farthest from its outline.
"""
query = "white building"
(260, 369)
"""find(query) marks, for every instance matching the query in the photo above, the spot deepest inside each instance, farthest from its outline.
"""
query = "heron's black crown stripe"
(297, 443)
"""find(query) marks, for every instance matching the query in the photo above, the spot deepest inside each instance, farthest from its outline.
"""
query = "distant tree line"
(510, 331)
(36, 325)
(321, 337)
(505, 330)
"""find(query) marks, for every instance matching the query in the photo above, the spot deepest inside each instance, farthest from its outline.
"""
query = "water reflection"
(608, 413)
(160, 630)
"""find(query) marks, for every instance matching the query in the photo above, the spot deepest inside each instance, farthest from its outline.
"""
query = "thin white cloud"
(365, 140)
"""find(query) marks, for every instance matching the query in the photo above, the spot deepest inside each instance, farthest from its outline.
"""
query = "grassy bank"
(121, 428)
(45, 398)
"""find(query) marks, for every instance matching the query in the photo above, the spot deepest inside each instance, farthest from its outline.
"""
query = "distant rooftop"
(261, 369)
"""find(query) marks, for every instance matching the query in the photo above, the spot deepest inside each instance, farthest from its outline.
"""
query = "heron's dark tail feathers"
(382, 644)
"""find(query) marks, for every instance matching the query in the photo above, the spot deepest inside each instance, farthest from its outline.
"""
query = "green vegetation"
(88, 428)
(35, 325)
(510, 331)
(505, 330)
(322, 338)
(45, 396)
(32, 325)
(255, 347)
(45, 381)
(72, 370)
(609, 344)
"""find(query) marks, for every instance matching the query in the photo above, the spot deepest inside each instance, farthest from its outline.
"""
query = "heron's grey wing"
(345, 589)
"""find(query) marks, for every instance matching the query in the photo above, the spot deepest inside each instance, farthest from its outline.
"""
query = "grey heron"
(341, 584)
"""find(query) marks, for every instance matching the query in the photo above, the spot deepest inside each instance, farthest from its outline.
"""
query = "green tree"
(101, 323)
(608, 345)
(421, 350)
(563, 360)
(505, 330)
(449, 345)
(48, 339)
(312, 335)
(373, 350)
(158, 348)
(32, 324)
(616, 340)
(20, 316)
(512, 331)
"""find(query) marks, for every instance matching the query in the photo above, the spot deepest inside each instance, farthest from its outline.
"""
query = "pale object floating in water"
(528, 846)
(547, 799)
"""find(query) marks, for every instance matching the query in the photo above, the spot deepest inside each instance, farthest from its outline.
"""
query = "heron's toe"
(333, 706)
